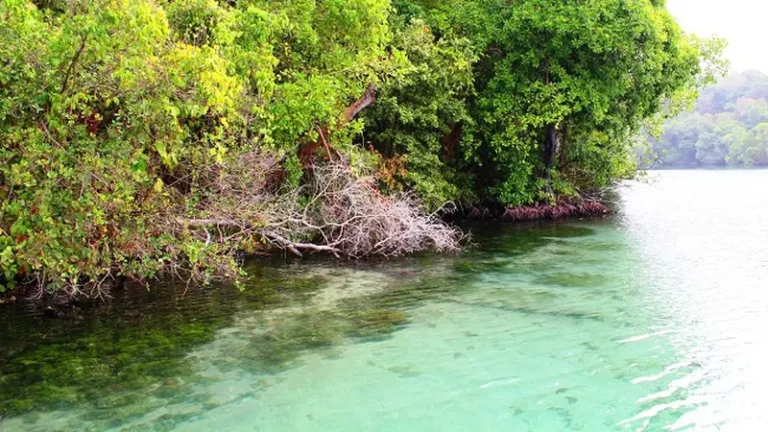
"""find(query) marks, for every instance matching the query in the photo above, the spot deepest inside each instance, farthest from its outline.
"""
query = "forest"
(147, 137)
(729, 127)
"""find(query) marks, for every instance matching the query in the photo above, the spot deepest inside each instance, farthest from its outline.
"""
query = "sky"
(742, 22)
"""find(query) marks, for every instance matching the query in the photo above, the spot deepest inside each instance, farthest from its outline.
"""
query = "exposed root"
(563, 209)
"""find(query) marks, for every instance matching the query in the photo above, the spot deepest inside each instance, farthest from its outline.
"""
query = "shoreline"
(563, 209)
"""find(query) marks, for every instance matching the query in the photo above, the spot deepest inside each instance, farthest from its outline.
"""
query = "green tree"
(115, 113)
(756, 152)
(127, 125)
(561, 86)
(419, 114)
(726, 127)
(757, 113)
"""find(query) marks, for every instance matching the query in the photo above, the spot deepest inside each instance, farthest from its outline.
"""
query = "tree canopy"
(728, 127)
(123, 123)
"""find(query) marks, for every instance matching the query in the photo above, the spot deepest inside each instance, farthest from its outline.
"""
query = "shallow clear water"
(651, 320)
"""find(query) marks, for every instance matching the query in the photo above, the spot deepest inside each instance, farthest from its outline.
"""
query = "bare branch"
(367, 99)
(336, 212)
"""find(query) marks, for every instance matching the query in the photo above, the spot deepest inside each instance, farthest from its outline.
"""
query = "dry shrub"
(354, 218)
(335, 211)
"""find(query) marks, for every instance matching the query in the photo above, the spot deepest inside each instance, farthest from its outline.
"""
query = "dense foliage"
(728, 127)
(132, 132)
(554, 90)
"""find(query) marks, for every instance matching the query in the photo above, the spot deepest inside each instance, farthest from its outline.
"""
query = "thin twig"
(72, 64)
(48, 134)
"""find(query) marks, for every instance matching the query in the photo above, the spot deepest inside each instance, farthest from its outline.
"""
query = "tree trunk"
(451, 141)
(551, 144)
(562, 142)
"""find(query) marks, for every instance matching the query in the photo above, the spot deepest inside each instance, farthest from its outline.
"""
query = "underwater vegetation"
(154, 358)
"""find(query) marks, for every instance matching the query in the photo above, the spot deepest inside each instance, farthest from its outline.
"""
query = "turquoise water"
(650, 320)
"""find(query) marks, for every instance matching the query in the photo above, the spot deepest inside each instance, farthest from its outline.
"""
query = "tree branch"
(72, 64)
(366, 100)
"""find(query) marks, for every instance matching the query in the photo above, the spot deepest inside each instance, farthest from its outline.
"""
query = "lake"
(649, 320)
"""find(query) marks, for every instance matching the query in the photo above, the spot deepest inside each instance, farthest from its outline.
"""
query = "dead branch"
(336, 212)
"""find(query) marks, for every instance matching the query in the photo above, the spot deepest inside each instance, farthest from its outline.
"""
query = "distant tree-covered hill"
(729, 127)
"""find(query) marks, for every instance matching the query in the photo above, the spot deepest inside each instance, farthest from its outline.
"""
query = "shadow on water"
(521, 238)
(115, 363)
(124, 358)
